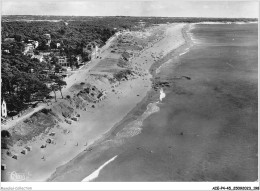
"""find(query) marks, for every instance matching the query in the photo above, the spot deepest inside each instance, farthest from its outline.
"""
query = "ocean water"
(206, 127)
(212, 118)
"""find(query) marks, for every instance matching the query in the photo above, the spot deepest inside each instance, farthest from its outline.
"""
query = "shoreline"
(151, 95)
(141, 108)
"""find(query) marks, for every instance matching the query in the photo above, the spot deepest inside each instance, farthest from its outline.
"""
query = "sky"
(164, 8)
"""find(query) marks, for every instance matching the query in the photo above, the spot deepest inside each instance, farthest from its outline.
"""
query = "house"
(36, 44)
(7, 51)
(97, 51)
(9, 40)
(92, 49)
(94, 53)
(62, 60)
(57, 45)
(92, 94)
(3, 109)
(3, 167)
(39, 57)
(79, 59)
(48, 43)
(48, 38)
(88, 48)
(28, 48)
(44, 53)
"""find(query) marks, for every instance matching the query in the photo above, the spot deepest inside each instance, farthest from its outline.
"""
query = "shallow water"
(206, 129)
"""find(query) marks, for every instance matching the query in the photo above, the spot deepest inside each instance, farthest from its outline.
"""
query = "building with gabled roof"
(39, 57)
(62, 60)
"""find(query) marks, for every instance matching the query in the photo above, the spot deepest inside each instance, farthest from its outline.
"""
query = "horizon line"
(137, 16)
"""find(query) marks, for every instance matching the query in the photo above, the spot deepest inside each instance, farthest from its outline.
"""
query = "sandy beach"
(76, 140)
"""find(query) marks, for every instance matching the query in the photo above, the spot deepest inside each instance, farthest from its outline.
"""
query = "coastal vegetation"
(22, 81)
(23, 78)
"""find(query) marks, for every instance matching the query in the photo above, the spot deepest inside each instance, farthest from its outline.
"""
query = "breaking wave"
(95, 174)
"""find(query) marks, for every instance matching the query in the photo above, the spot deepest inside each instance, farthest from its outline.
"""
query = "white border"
(138, 185)
(125, 186)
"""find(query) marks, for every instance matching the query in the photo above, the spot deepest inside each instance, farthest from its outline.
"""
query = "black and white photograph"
(123, 91)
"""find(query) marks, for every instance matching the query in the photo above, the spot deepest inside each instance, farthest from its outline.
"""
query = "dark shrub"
(46, 111)
(5, 133)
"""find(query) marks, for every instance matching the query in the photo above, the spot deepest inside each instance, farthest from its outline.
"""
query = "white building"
(3, 109)
(79, 59)
(36, 44)
(95, 52)
(28, 48)
(48, 42)
(48, 38)
(39, 57)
